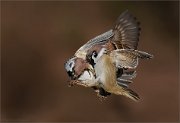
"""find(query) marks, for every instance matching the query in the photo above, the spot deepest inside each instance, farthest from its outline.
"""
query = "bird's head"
(75, 67)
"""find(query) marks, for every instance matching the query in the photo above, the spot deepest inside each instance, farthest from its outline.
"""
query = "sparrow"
(105, 64)
(81, 73)
(121, 42)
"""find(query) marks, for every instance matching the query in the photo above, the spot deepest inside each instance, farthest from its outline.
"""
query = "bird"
(81, 73)
(105, 64)
(118, 44)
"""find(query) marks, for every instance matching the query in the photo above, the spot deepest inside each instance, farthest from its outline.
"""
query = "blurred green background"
(38, 37)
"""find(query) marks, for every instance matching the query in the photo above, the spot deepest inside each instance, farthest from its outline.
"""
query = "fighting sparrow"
(119, 45)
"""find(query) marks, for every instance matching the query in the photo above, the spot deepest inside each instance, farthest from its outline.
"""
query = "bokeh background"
(38, 37)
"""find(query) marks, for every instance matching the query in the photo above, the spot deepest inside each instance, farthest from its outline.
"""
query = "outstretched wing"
(125, 34)
(101, 39)
(126, 31)
(128, 58)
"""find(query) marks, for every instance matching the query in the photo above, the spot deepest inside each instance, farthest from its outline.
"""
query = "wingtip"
(149, 56)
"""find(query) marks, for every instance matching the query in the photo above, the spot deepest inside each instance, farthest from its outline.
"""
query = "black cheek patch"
(90, 60)
(71, 75)
(92, 63)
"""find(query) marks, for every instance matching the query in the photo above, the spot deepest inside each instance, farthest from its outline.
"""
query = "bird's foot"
(101, 98)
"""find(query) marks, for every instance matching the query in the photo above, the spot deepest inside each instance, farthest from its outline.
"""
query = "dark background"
(38, 37)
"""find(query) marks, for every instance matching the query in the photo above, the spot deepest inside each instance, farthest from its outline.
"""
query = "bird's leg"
(99, 92)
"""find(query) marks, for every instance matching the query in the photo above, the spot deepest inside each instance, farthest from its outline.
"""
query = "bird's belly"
(105, 71)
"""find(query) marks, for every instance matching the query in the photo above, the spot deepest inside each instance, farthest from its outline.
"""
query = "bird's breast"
(105, 70)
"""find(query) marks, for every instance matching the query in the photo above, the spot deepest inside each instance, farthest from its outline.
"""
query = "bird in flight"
(107, 62)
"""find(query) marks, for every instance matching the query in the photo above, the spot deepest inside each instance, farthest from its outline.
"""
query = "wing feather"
(126, 31)
(128, 58)
(125, 34)
(101, 39)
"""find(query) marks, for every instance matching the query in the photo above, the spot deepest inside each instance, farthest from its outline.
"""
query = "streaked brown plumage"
(106, 76)
(121, 44)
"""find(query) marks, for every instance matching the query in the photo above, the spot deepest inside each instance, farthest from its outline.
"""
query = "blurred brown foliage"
(38, 37)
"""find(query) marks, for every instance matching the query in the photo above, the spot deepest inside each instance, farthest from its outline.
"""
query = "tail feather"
(119, 90)
(131, 94)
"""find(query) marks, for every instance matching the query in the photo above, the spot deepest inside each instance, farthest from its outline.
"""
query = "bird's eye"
(94, 54)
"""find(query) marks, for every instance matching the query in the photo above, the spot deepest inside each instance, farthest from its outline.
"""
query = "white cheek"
(86, 76)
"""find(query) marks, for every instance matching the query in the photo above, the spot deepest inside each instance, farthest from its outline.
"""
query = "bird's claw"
(101, 98)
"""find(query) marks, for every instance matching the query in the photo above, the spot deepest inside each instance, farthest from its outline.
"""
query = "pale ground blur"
(38, 37)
